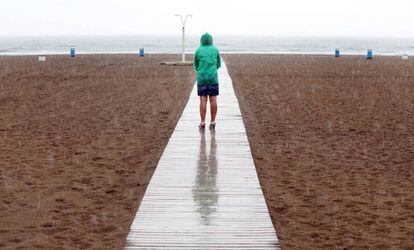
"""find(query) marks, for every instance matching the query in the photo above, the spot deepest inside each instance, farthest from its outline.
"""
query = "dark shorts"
(208, 90)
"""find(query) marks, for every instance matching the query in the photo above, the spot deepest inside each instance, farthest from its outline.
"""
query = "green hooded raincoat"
(207, 61)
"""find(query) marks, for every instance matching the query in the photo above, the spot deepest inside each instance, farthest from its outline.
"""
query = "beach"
(332, 141)
(80, 140)
(333, 144)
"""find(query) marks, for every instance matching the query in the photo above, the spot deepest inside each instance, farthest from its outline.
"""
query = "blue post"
(369, 54)
(336, 52)
(141, 52)
(72, 52)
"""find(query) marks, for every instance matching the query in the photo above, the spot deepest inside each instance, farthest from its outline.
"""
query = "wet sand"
(333, 143)
(79, 143)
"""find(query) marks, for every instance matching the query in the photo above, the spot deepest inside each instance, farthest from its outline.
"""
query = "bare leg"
(203, 108)
(213, 108)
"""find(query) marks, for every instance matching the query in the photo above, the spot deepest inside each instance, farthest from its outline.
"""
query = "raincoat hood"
(206, 61)
(206, 40)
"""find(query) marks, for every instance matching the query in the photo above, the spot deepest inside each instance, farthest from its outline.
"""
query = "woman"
(206, 62)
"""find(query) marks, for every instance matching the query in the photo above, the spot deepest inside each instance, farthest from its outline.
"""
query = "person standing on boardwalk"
(206, 62)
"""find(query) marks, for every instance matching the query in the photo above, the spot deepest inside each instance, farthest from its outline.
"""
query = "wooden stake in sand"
(369, 54)
(337, 52)
(72, 55)
(72, 52)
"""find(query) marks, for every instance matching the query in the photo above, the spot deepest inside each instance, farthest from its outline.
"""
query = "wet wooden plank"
(205, 192)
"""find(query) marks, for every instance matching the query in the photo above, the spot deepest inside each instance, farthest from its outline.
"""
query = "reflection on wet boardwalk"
(205, 193)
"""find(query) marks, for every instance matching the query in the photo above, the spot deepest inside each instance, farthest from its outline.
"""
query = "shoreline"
(247, 53)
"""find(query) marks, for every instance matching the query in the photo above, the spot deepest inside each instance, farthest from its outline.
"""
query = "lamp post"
(183, 21)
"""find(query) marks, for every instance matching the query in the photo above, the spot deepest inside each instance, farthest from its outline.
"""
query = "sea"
(44, 45)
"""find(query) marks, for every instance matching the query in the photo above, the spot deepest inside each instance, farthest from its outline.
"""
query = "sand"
(79, 142)
(333, 143)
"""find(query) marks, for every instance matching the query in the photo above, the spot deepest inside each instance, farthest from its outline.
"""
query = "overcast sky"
(391, 18)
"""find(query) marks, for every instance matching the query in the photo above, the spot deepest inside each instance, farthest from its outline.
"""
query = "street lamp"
(183, 21)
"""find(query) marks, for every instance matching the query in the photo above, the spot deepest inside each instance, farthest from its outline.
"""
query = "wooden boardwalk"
(205, 193)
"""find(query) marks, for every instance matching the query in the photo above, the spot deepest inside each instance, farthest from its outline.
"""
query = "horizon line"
(216, 35)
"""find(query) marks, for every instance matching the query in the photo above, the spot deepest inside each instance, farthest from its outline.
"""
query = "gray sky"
(233, 17)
